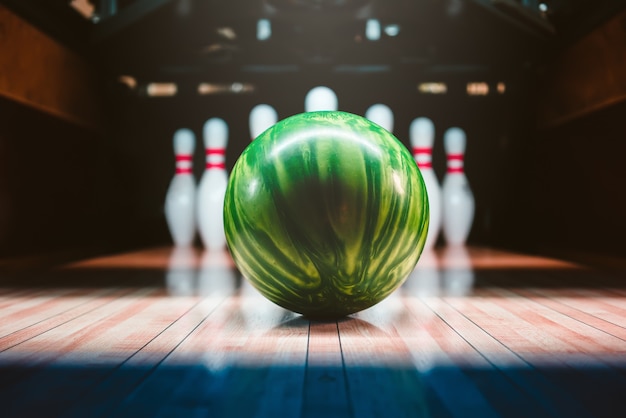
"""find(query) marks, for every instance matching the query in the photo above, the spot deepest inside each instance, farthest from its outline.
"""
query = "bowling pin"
(180, 199)
(320, 98)
(381, 115)
(262, 117)
(458, 200)
(212, 187)
(422, 136)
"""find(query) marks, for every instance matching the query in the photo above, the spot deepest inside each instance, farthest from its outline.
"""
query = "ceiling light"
(478, 89)
(227, 32)
(128, 80)
(161, 89)
(392, 30)
(84, 7)
(432, 88)
(224, 88)
(372, 29)
(263, 29)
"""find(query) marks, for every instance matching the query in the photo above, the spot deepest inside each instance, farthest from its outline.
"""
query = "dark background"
(66, 188)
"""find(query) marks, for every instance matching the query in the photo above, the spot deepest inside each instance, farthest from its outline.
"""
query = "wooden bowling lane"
(159, 332)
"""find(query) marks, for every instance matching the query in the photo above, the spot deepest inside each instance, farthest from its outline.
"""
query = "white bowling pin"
(422, 136)
(212, 185)
(262, 117)
(381, 115)
(458, 200)
(180, 200)
(320, 98)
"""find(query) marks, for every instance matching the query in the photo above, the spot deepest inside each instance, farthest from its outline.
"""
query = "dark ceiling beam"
(522, 17)
(125, 17)
(56, 19)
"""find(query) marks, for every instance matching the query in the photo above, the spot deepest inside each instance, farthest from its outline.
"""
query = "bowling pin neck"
(381, 115)
(215, 158)
(455, 163)
(320, 98)
(422, 133)
(215, 133)
(423, 157)
(262, 117)
(184, 164)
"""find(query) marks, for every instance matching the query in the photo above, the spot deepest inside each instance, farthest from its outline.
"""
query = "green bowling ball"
(326, 214)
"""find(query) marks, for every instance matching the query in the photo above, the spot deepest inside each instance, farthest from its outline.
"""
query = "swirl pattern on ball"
(326, 213)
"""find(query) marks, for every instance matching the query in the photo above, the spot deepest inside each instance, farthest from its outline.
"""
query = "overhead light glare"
(477, 89)
(205, 89)
(263, 29)
(433, 88)
(392, 30)
(128, 80)
(162, 89)
(227, 32)
(501, 87)
(84, 7)
(372, 29)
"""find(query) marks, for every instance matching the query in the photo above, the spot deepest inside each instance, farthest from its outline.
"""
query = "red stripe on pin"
(215, 165)
(422, 150)
(183, 157)
(183, 171)
(425, 165)
(455, 170)
(215, 151)
(458, 157)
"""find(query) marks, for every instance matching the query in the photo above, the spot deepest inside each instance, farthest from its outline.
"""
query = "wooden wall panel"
(37, 71)
(589, 75)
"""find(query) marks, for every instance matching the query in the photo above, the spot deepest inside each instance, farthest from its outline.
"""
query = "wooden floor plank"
(156, 388)
(57, 312)
(38, 305)
(385, 375)
(477, 360)
(473, 332)
(553, 357)
(590, 343)
(11, 296)
(597, 303)
(588, 310)
(325, 390)
(103, 398)
(226, 359)
(70, 345)
(546, 397)
(274, 353)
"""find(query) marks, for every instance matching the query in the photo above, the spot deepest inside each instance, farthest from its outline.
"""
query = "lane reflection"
(446, 271)
(425, 279)
(443, 272)
(217, 275)
(207, 273)
(180, 276)
(458, 274)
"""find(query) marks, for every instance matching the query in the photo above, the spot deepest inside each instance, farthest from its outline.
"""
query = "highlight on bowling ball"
(326, 214)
